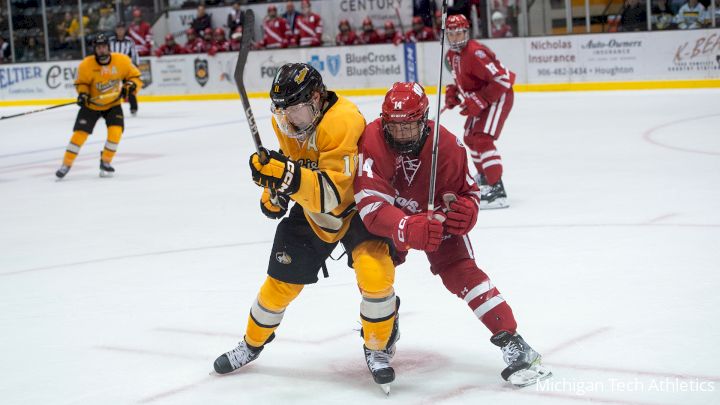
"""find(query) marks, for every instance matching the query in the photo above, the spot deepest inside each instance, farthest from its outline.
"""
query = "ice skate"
(378, 362)
(238, 357)
(62, 171)
(395, 334)
(524, 364)
(493, 197)
(105, 169)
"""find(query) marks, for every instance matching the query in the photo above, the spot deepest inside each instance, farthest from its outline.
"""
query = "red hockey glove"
(418, 232)
(273, 205)
(452, 96)
(279, 173)
(461, 215)
(473, 105)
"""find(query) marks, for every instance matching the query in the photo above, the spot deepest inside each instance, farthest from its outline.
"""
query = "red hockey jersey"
(141, 34)
(169, 50)
(427, 34)
(478, 73)
(275, 33)
(370, 37)
(309, 29)
(390, 186)
(350, 38)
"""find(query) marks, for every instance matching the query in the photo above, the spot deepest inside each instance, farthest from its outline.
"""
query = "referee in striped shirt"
(120, 43)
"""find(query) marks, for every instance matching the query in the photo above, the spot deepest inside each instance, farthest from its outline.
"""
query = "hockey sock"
(268, 309)
(76, 142)
(464, 279)
(485, 156)
(375, 274)
(111, 144)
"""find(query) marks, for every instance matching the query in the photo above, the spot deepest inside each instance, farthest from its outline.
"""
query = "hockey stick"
(92, 101)
(436, 135)
(245, 46)
(400, 24)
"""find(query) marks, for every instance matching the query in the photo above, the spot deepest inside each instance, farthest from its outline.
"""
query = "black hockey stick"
(245, 45)
(92, 101)
(436, 134)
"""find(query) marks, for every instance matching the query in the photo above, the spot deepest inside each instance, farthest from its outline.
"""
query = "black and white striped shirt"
(125, 46)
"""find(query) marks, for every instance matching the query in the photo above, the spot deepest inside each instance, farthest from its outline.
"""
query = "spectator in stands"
(662, 16)
(425, 9)
(633, 16)
(127, 11)
(691, 15)
(290, 15)
(276, 33)
(369, 34)
(170, 47)
(499, 28)
(308, 26)
(709, 15)
(32, 52)
(141, 33)
(73, 30)
(193, 44)
(202, 21)
(107, 22)
(390, 35)
(5, 51)
(235, 17)
(346, 36)
(93, 21)
(419, 32)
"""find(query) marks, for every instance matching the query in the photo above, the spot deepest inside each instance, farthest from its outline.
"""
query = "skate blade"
(386, 389)
(497, 204)
(530, 376)
(105, 174)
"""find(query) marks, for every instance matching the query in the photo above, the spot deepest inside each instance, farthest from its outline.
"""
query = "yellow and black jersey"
(328, 158)
(104, 80)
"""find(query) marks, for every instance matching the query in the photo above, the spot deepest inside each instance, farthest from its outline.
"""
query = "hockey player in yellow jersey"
(103, 80)
(318, 133)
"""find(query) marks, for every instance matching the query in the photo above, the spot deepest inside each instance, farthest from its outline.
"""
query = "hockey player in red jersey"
(308, 27)
(193, 44)
(236, 39)
(220, 44)
(369, 34)
(390, 35)
(483, 90)
(419, 32)
(391, 192)
(205, 44)
(346, 36)
(141, 34)
(275, 31)
(170, 47)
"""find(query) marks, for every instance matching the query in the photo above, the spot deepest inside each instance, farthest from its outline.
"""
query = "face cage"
(458, 46)
(284, 119)
(412, 147)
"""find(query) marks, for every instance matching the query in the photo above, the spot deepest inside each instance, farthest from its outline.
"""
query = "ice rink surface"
(125, 290)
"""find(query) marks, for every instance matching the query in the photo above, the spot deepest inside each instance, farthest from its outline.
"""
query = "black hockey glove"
(273, 205)
(83, 99)
(279, 173)
(128, 88)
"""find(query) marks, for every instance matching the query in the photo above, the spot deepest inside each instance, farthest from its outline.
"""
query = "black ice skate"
(238, 357)
(480, 180)
(62, 171)
(378, 362)
(524, 364)
(105, 169)
(493, 197)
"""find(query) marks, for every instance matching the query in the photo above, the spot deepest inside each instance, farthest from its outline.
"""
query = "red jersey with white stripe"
(349, 38)
(141, 34)
(370, 37)
(275, 33)
(309, 29)
(479, 74)
(389, 185)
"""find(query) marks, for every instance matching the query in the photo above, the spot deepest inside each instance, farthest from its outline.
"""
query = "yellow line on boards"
(379, 91)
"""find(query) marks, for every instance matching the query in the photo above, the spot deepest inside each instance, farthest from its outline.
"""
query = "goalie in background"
(104, 78)
(318, 133)
(391, 192)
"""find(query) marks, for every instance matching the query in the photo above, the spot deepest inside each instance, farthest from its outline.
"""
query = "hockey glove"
(452, 96)
(473, 105)
(461, 214)
(83, 99)
(273, 205)
(418, 232)
(128, 89)
(279, 173)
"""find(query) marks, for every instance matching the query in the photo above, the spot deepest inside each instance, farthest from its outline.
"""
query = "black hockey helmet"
(102, 59)
(101, 39)
(295, 83)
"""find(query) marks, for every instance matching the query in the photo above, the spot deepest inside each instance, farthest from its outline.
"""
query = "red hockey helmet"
(272, 8)
(417, 20)
(345, 22)
(458, 31)
(190, 31)
(389, 25)
(367, 21)
(169, 37)
(137, 13)
(207, 31)
(404, 117)
(220, 32)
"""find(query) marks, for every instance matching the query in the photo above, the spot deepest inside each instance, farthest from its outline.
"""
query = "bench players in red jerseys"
(391, 191)
(483, 90)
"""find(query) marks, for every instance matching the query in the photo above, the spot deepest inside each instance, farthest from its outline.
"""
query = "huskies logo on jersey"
(409, 167)
(201, 71)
